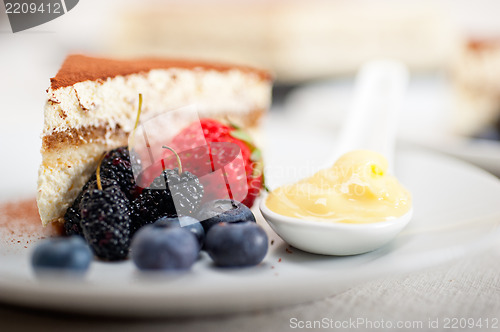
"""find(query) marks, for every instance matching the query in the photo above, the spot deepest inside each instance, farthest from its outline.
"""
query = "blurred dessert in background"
(298, 40)
(476, 80)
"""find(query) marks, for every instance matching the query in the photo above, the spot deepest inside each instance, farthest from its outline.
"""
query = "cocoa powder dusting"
(20, 223)
(78, 68)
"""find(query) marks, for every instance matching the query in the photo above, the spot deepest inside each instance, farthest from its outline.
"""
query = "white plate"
(456, 211)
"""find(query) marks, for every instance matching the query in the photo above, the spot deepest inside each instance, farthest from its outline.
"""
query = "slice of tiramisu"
(92, 103)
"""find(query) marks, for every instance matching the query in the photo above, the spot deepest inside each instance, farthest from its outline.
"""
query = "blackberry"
(116, 165)
(170, 195)
(72, 217)
(149, 206)
(106, 220)
(186, 189)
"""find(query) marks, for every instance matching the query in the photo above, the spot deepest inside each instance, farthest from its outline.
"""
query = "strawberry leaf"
(256, 155)
(242, 135)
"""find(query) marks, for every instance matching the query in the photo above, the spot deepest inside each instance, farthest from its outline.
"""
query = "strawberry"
(223, 157)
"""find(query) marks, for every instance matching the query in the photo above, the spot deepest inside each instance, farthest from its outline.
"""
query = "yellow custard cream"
(356, 189)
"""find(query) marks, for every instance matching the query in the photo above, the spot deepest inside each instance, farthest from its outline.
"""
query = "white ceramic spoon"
(371, 124)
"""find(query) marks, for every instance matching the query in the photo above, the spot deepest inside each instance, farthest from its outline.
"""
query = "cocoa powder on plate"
(20, 223)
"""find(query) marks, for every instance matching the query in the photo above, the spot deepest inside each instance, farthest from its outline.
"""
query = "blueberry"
(164, 248)
(236, 244)
(223, 210)
(68, 254)
(186, 222)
